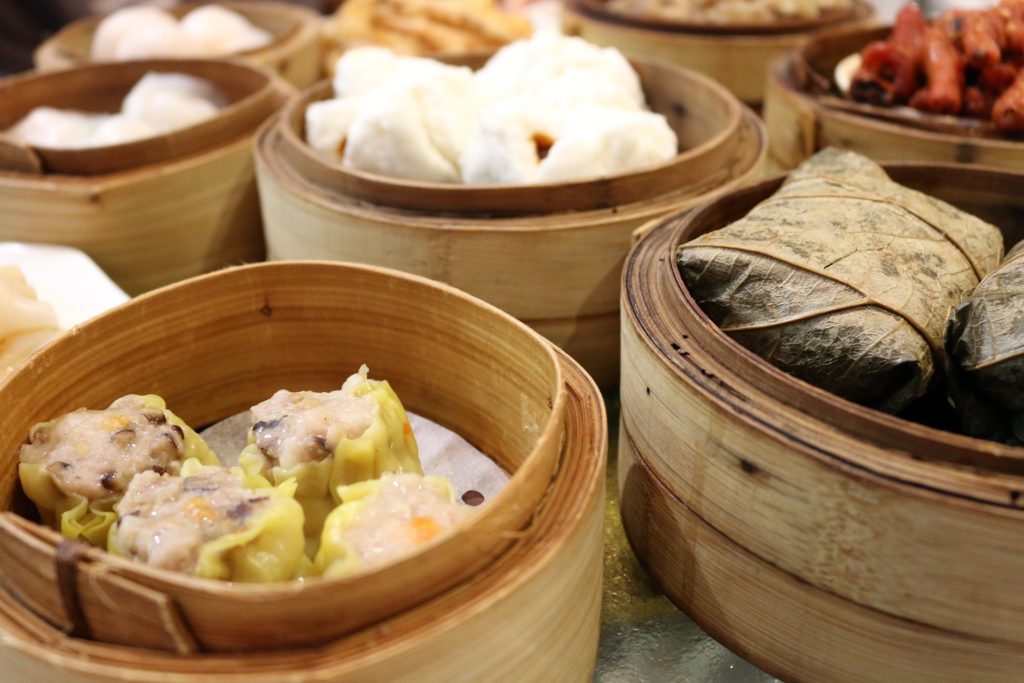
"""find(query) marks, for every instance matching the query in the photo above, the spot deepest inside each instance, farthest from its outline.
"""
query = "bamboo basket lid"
(494, 382)
(895, 546)
(294, 52)
(702, 114)
(736, 56)
(253, 95)
(804, 114)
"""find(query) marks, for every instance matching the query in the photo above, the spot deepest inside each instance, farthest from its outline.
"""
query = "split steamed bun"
(528, 66)
(146, 32)
(545, 109)
(400, 116)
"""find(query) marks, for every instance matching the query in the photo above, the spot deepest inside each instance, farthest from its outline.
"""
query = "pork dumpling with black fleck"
(327, 439)
(212, 522)
(76, 467)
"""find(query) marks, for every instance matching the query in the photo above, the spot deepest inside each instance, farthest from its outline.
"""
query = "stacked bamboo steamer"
(529, 564)
(803, 116)
(294, 52)
(548, 254)
(149, 212)
(820, 539)
(734, 55)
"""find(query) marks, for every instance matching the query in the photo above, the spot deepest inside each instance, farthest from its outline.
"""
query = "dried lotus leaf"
(985, 342)
(843, 278)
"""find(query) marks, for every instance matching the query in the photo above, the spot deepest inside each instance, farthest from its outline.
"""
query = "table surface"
(644, 637)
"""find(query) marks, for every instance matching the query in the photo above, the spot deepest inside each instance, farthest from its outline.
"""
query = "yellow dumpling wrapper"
(88, 518)
(386, 445)
(268, 547)
(381, 520)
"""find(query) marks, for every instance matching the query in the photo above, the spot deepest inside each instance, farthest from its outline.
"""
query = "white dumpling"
(416, 127)
(55, 128)
(124, 22)
(157, 40)
(510, 142)
(328, 122)
(390, 137)
(526, 66)
(118, 130)
(214, 31)
(168, 102)
(363, 69)
(604, 142)
(576, 88)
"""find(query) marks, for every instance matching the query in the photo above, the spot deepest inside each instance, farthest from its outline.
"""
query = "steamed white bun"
(412, 123)
(214, 31)
(56, 128)
(604, 142)
(527, 66)
(506, 148)
(171, 101)
(128, 22)
(328, 121)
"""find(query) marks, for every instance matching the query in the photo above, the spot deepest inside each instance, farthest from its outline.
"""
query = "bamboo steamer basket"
(820, 539)
(531, 615)
(450, 357)
(548, 254)
(148, 212)
(735, 56)
(294, 52)
(803, 117)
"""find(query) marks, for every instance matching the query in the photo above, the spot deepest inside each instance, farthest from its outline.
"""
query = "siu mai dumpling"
(213, 522)
(380, 521)
(75, 468)
(325, 440)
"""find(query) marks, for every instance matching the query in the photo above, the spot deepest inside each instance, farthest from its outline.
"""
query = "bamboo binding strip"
(231, 339)
(735, 57)
(550, 255)
(148, 212)
(294, 52)
(820, 539)
(803, 116)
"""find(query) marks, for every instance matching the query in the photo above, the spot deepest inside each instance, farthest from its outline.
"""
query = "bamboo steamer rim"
(273, 159)
(508, 199)
(799, 74)
(925, 458)
(598, 10)
(580, 477)
(484, 533)
(254, 94)
(62, 43)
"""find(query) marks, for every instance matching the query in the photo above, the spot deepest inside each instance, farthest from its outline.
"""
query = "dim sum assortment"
(541, 110)
(844, 279)
(965, 63)
(149, 32)
(25, 322)
(157, 104)
(136, 480)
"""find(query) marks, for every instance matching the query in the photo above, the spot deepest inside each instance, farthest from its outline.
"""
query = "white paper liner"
(442, 453)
